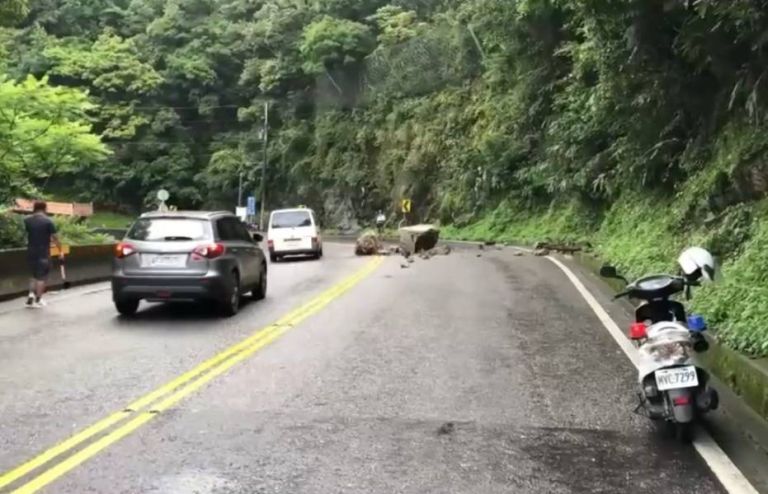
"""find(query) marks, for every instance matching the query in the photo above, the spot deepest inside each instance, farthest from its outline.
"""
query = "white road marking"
(54, 297)
(726, 472)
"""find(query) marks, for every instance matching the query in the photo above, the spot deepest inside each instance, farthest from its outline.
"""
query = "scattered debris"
(410, 260)
(446, 428)
(368, 244)
(404, 265)
(443, 250)
(490, 242)
(541, 252)
(383, 252)
(481, 246)
(518, 253)
(563, 248)
(479, 255)
(499, 247)
(394, 249)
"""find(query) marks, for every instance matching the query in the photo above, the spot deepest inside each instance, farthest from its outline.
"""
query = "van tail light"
(314, 241)
(637, 331)
(271, 244)
(123, 249)
(210, 251)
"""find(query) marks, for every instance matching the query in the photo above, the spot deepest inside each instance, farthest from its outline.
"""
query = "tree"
(44, 130)
(12, 11)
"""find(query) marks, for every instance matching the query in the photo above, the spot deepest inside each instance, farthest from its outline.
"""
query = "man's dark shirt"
(39, 230)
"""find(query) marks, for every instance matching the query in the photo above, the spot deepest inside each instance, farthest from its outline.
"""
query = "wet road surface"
(460, 374)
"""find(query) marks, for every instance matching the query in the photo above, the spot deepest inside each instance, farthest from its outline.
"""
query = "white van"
(293, 232)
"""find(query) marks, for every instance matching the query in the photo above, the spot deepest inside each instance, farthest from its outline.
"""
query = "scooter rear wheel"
(684, 432)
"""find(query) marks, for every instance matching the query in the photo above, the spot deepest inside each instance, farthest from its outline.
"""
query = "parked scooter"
(673, 390)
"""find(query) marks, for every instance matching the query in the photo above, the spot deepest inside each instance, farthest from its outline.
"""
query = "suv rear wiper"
(177, 238)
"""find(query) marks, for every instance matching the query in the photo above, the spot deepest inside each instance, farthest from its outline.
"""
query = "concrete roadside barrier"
(85, 264)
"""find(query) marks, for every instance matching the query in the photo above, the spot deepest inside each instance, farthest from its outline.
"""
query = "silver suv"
(188, 256)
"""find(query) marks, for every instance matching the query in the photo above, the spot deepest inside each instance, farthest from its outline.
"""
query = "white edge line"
(724, 469)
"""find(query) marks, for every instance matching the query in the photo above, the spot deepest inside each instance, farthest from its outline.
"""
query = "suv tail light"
(210, 251)
(271, 244)
(123, 249)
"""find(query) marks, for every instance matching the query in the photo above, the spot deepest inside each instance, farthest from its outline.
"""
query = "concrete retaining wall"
(85, 264)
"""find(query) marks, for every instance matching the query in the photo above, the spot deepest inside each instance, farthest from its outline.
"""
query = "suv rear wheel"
(127, 306)
(230, 304)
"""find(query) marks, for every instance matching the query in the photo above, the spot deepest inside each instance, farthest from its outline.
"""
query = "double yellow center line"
(104, 433)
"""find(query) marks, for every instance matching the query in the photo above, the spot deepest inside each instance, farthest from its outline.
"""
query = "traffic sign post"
(405, 208)
(162, 196)
(251, 206)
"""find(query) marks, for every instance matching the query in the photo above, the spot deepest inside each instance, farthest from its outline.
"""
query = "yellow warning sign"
(405, 205)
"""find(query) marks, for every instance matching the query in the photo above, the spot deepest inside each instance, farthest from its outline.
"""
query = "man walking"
(40, 233)
(380, 220)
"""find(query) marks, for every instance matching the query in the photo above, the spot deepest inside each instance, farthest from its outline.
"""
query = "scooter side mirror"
(607, 271)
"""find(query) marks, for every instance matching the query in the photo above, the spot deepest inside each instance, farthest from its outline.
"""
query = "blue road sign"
(251, 205)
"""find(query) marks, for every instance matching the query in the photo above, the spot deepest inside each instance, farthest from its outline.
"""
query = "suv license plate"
(677, 377)
(163, 261)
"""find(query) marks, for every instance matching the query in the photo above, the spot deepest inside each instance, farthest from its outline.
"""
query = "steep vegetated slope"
(636, 125)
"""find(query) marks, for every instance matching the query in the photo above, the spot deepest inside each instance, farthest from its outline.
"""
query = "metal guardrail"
(84, 264)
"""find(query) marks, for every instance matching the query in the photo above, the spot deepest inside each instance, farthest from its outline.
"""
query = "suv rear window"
(169, 229)
(291, 219)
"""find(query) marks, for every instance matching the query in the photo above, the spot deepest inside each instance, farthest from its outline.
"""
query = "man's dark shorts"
(39, 268)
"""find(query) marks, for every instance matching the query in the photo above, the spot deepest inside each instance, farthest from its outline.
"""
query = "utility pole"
(265, 133)
(240, 190)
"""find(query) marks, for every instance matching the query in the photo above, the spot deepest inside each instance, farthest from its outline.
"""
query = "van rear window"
(291, 219)
(169, 230)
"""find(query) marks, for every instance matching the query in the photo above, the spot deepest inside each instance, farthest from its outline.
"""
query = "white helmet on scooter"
(697, 263)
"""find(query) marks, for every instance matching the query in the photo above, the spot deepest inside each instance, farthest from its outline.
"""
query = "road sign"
(163, 195)
(405, 205)
(251, 205)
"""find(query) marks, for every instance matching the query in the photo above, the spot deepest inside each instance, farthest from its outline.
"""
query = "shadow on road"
(178, 312)
(295, 260)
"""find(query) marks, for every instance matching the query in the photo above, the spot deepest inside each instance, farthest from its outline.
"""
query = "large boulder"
(418, 238)
(368, 244)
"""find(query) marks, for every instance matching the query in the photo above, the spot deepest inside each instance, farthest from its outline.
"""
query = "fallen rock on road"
(418, 238)
(368, 244)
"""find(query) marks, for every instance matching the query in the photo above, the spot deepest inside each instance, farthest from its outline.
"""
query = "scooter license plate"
(677, 377)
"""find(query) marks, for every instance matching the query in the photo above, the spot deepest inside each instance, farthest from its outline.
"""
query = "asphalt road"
(459, 374)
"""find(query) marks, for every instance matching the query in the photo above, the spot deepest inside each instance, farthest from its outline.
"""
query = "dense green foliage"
(634, 124)
(70, 232)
